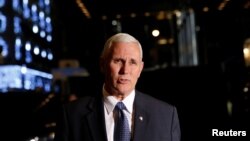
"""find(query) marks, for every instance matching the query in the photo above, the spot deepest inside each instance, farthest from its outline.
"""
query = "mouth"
(123, 81)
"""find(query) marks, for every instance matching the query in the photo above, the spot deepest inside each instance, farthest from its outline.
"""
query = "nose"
(124, 68)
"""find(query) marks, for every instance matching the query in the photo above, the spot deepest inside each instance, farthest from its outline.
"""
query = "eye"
(117, 60)
(134, 62)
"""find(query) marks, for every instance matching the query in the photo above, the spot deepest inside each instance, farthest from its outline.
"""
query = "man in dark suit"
(93, 118)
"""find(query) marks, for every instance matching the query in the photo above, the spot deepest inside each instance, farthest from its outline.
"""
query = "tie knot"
(120, 105)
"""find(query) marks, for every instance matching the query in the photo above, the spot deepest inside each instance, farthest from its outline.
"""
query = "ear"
(141, 68)
(142, 65)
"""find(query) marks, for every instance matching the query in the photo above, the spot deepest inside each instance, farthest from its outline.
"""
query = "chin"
(124, 92)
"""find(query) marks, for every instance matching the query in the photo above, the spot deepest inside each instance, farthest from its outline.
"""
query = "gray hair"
(120, 37)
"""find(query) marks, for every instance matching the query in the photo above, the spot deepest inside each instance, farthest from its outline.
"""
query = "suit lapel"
(96, 121)
(140, 119)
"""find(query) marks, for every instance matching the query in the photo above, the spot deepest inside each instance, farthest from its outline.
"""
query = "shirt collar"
(110, 101)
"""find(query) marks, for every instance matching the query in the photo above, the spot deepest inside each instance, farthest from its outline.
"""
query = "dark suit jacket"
(83, 120)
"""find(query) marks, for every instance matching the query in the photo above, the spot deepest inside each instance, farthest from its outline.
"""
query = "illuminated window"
(15, 77)
(3, 23)
(4, 46)
(25, 37)
(18, 45)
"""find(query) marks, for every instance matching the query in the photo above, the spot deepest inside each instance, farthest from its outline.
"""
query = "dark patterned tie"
(121, 132)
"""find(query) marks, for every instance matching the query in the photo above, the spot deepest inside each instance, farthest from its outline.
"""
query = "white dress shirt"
(109, 105)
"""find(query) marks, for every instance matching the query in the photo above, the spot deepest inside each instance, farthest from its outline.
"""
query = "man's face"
(123, 68)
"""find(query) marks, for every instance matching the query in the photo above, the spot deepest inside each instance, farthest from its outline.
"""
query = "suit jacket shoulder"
(82, 119)
(155, 119)
(152, 102)
(80, 105)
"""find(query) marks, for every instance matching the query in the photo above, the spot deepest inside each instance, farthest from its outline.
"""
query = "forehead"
(125, 47)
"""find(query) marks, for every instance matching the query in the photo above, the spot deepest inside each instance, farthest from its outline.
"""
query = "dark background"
(201, 93)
